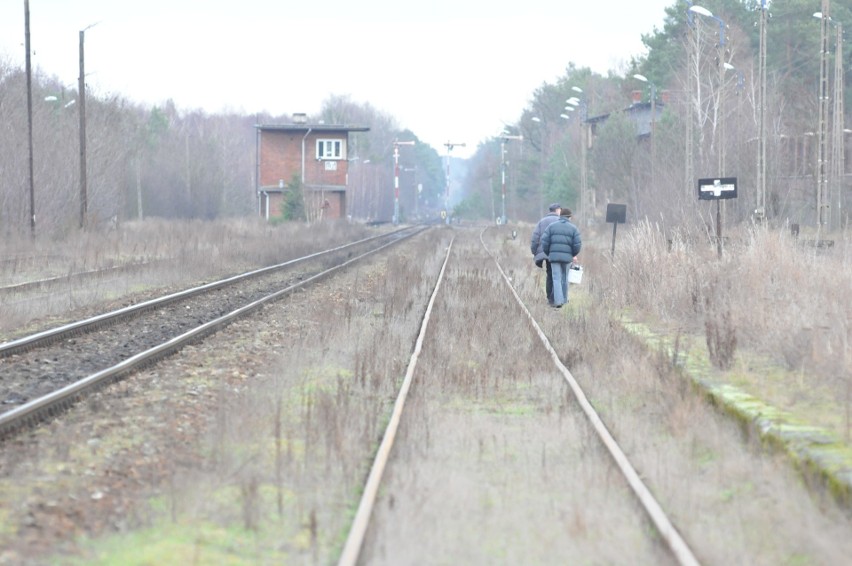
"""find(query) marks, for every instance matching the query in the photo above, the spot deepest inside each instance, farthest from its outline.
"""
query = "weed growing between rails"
(322, 412)
(494, 462)
(733, 500)
(267, 468)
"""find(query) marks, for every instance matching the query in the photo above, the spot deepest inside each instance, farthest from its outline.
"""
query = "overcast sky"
(449, 70)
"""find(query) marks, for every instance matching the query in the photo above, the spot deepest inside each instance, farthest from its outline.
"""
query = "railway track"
(43, 373)
(352, 552)
(79, 276)
(273, 424)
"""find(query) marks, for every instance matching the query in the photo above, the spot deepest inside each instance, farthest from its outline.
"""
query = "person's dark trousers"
(549, 286)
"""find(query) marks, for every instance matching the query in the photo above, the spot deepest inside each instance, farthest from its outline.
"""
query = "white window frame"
(331, 148)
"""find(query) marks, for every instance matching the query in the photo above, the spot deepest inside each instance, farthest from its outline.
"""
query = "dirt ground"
(252, 446)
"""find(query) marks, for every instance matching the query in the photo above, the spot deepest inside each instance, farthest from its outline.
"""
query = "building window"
(330, 149)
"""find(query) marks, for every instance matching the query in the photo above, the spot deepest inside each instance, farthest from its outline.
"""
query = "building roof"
(311, 127)
(632, 109)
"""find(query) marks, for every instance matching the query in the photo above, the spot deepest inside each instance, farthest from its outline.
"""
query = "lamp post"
(84, 204)
(693, 103)
(760, 212)
(396, 145)
(837, 160)
(503, 139)
(822, 119)
(584, 146)
(29, 114)
(449, 146)
(720, 95)
(644, 79)
(542, 158)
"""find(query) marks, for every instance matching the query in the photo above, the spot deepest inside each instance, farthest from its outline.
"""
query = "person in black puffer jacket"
(562, 243)
(539, 257)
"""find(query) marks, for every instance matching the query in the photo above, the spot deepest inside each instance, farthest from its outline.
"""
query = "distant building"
(639, 112)
(316, 154)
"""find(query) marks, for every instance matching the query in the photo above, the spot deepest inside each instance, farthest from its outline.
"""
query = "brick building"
(315, 153)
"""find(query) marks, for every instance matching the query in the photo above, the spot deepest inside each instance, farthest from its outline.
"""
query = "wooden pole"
(30, 113)
(81, 87)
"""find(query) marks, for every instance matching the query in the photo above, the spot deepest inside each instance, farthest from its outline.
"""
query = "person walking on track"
(562, 243)
(539, 257)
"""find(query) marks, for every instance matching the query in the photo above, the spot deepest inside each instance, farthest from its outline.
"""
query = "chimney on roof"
(637, 96)
(300, 118)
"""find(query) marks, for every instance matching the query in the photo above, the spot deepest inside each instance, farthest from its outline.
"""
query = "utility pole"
(838, 150)
(30, 113)
(81, 86)
(822, 123)
(653, 122)
(585, 139)
(396, 145)
(760, 212)
(503, 139)
(720, 144)
(720, 97)
(692, 71)
(449, 146)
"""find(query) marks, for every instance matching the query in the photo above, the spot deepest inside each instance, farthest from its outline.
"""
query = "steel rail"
(47, 336)
(39, 283)
(53, 402)
(355, 538)
(670, 535)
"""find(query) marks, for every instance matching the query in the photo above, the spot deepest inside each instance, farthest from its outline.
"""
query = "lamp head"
(701, 11)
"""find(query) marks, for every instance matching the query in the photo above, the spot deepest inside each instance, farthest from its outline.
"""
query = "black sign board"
(717, 189)
(616, 213)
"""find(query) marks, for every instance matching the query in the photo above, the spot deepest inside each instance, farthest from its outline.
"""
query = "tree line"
(167, 162)
(175, 163)
(682, 67)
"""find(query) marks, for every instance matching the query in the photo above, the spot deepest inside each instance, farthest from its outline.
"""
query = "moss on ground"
(746, 393)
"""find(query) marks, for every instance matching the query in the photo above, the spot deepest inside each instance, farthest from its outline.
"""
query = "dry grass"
(773, 312)
(176, 254)
(292, 448)
(491, 444)
(734, 501)
(495, 464)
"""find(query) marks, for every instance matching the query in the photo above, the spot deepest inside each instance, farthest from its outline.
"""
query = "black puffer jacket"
(561, 241)
(535, 242)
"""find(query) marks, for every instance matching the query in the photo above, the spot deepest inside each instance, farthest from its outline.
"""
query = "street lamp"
(396, 145)
(29, 115)
(837, 158)
(760, 213)
(644, 79)
(722, 65)
(541, 160)
(581, 103)
(720, 122)
(84, 205)
(503, 139)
